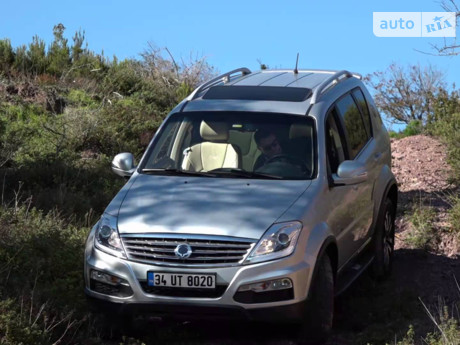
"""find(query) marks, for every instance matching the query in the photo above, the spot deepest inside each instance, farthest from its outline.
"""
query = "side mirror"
(123, 164)
(349, 173)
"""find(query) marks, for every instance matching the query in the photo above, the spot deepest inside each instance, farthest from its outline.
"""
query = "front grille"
(206, 251)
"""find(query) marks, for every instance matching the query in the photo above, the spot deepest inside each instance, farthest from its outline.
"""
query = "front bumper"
(222, 305)
(288, 313)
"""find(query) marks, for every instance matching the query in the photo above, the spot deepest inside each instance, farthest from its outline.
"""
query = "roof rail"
(330, 82)
(222, 78)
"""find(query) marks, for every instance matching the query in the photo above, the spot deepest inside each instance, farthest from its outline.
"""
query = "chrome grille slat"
(242, 252)
(191, 259)
(174, 244)
(153, 249)
(206, 251)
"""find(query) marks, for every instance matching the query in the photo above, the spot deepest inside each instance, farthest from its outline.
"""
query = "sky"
(232, 34)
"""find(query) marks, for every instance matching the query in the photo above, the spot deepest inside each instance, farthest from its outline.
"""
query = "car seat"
(214, 151)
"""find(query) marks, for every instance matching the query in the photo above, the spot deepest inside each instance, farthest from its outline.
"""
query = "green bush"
(447, 331)
(454, 214)
(413, 128)
(40, 276)
(422, 236)
(446, 125)
(448, 128)
(80, 98)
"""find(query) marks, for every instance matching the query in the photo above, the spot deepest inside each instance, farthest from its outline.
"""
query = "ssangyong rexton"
(261, 196)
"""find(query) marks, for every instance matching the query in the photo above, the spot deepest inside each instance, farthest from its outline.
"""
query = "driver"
(268, 144)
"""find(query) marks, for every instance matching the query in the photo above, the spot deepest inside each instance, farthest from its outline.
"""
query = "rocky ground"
(421, 169)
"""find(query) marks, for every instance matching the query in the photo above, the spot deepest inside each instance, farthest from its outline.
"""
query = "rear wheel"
(384, 241)
(320, 306)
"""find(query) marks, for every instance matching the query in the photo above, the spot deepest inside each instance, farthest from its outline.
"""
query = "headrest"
(214, 131)
(241, 139)
(300, 131)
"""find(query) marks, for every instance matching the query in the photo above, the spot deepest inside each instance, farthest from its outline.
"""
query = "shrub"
(446, 125)
(41, 276)
(454, 214)
(421, 218)
(79, 98)
(413, 128)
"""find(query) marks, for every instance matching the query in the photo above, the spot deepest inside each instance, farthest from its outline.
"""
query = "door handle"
(377, 156)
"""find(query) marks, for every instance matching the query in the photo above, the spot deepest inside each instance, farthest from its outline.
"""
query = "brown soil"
(421, 169)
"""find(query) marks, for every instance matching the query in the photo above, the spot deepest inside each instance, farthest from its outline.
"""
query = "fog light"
(269, 285)
(107, 278)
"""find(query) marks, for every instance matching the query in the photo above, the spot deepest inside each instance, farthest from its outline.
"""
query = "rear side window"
(334, 142)
(362, 104)
(354, 126)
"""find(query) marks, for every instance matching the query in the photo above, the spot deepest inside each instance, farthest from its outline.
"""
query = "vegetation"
(421, 219)
(65, 111)
(446, 125)
(413, 128)
(449, 47)
(407, 94)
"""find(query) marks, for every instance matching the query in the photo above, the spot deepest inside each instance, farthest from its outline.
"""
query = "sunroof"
(259, 93)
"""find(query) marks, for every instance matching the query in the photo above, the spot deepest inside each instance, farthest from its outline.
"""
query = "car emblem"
(183, 251)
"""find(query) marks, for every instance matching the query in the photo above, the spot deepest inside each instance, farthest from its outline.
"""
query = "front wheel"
(384, 241)
(320, 306)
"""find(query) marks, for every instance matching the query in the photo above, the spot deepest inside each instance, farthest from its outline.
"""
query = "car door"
(360, 148)
(350, 206)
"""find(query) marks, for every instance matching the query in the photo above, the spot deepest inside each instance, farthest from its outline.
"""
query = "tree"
(407, 94)
(37, 56)
(449, 48)
(6, 55)
(186, 74)
(77, 48)
(59, 52)
(21, 61)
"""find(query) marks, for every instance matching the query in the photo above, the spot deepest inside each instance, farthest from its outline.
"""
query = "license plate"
(179, 280)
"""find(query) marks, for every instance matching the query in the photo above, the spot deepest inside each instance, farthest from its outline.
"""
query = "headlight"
(279, 241)
(107, 238)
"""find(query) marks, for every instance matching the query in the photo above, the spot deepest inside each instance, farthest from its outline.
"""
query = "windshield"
(234, 144)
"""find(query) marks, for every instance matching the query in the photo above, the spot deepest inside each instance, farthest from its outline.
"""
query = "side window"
(354, 126)
(163, 149)
(334, 143)
(362, 104)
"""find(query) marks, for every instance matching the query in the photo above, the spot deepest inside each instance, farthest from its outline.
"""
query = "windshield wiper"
(173, 171)
(243, 173)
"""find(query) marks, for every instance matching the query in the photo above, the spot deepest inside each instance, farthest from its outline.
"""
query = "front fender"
(319, 239)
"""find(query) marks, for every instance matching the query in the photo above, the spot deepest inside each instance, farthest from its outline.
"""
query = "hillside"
(66, 111)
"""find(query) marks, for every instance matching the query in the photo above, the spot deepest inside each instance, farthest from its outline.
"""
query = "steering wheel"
(289, 159)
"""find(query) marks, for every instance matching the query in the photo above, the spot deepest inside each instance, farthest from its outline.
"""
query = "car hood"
(200, 205)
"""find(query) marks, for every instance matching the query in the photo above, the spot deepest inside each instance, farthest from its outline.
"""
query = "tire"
(320, 305)
(384, 241)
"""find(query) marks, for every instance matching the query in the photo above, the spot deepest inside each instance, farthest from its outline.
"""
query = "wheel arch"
(328, 247)
(390, 190)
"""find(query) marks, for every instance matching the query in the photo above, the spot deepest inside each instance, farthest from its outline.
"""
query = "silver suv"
(262, 195)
